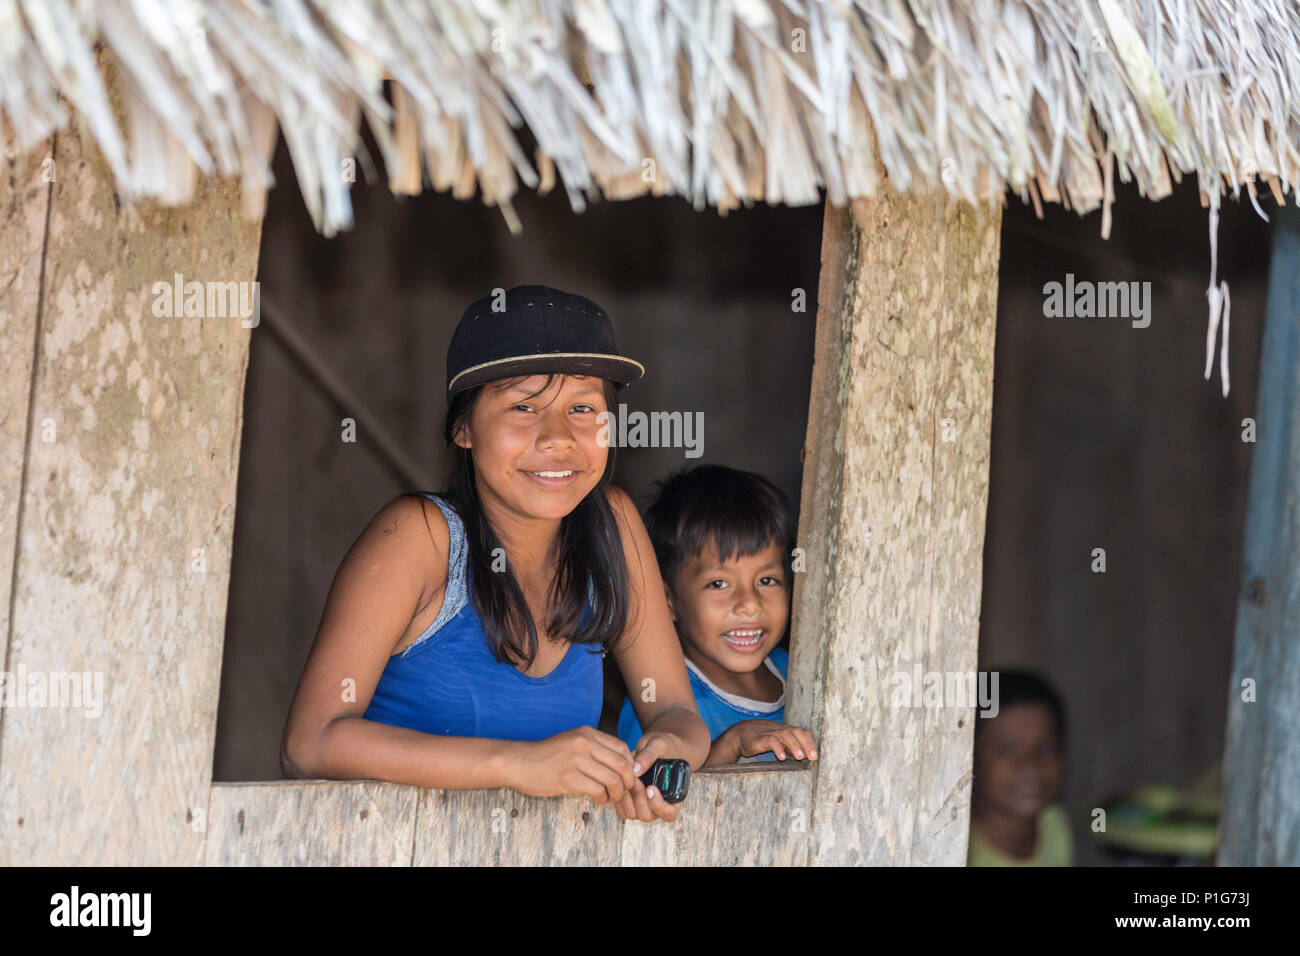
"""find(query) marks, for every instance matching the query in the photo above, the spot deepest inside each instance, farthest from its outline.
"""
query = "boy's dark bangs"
(742, 533)
(714, 508)
(737, 521)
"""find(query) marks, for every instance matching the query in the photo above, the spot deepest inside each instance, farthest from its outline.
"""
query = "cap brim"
(616, 368)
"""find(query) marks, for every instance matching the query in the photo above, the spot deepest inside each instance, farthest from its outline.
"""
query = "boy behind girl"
(723, 539)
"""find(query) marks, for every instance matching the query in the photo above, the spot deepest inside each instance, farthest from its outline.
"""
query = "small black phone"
(671, 777)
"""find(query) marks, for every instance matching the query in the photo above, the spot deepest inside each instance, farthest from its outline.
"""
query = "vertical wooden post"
(123, 553)
(895, 492)
(1260, 825)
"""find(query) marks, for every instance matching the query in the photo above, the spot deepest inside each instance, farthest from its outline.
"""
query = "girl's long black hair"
(589, 548)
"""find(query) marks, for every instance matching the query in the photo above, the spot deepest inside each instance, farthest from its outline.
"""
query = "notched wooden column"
(895, 492)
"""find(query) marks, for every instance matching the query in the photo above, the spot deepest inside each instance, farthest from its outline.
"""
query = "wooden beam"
(895, 492)
(370, 426)
(1260, 824)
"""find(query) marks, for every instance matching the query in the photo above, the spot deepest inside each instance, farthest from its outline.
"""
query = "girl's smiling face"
(535, 446)
(730, 614)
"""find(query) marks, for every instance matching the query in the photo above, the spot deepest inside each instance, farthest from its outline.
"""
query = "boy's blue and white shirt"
(718, 708)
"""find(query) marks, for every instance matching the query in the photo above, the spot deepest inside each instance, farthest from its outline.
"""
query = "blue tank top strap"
(455, 595)
(455, 686)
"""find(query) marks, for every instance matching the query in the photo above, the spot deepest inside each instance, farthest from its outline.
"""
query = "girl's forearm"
(353, 748)
(686, 725)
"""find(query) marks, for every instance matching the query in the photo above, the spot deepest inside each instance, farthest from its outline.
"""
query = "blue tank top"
(449, 683)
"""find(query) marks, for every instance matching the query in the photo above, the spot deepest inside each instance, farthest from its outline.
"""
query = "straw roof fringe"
(720, 101)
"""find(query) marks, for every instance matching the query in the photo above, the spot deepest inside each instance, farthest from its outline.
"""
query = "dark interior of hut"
(1105, 433)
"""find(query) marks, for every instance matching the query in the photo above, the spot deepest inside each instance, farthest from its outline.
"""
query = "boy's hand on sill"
(750, 738)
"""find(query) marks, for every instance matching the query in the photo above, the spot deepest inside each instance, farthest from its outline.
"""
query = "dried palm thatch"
(720, 101)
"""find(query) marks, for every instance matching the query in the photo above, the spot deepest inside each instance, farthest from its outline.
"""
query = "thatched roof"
(720, 102)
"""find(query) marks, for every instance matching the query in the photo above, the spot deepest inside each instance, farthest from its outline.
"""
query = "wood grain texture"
(964, 296)
(311, 823)
(137, 474)
(1260, 823)
(893, 524)
(734, 816)
(505, 828)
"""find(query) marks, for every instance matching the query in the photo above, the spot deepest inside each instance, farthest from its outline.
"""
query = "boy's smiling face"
(730, 614)
(1018, 760)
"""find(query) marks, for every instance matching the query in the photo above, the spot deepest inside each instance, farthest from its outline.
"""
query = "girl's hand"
(582, 760)
(755, 737)
(640, 802)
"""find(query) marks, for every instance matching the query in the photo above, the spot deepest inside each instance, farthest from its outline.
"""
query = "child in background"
(723, 539)
(1019, 765)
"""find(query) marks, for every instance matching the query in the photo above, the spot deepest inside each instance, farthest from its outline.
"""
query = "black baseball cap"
(539, 330)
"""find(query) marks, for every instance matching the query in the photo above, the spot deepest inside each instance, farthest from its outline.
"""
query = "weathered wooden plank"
(26, 197)
(311, 823)
(734, 816)
(964, 296)
(124, 548)
(505, 828)
(1260, 824)
(892, 524)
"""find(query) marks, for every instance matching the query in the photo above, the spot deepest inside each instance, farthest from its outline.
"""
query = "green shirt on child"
(1055, 845)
